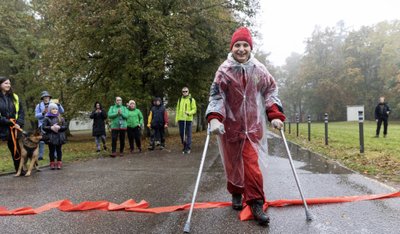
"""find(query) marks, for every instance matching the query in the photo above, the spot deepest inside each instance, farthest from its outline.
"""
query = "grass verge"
(381, 157)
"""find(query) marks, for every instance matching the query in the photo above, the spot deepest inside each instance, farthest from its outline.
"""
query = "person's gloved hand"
(216, 127)
(277, 123)
(55, 128)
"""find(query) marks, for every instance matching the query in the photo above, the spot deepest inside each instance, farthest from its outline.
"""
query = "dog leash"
(14, 133)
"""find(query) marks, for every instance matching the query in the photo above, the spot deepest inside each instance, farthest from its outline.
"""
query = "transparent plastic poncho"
(241, 93)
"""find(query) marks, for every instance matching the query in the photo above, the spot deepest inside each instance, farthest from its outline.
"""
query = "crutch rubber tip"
(309, 216)
(186, 229)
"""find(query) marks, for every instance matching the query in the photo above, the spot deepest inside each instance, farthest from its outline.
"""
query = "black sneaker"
(256, 207)
(237, 201)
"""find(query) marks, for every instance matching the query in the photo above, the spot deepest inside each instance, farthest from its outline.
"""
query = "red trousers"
(253, 180)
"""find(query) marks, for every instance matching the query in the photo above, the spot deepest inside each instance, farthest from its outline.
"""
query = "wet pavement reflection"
(314, 162)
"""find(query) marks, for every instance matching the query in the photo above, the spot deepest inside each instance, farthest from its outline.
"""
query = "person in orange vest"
(11, 119)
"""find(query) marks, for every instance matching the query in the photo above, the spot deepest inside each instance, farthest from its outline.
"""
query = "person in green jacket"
(185, 109)
(118, 114)
(135, 125)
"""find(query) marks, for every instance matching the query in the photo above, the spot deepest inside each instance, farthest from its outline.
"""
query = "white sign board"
(352, 112)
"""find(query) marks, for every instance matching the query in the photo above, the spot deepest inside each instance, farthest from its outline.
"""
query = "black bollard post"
(326, 128)
(297, 124)
(284, 126)
(361, 128)
(309, 127)
(290, 129)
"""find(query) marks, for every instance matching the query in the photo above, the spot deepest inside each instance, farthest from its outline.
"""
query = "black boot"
(237, 201)
(256, 207)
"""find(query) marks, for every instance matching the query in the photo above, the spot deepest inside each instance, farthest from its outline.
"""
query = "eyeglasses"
(185, 91)
(119, 100)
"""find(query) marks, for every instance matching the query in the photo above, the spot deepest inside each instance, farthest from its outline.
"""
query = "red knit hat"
(242, 34)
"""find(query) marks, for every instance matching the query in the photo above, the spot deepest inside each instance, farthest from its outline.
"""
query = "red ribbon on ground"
(144, 207)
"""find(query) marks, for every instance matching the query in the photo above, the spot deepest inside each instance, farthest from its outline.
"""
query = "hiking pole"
(186, 229)
(184, 130)
(308, 214)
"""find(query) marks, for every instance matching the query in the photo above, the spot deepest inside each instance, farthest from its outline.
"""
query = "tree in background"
(135, 49)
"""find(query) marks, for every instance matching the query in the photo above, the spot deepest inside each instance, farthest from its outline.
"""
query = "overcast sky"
(285, 24)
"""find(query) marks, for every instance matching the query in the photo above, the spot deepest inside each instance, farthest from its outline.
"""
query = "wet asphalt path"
(167, 177)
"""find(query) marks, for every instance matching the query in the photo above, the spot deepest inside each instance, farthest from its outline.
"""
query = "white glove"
(216, 127)
(277, 123)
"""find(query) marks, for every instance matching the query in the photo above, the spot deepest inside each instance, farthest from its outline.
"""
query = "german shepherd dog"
(29, 146)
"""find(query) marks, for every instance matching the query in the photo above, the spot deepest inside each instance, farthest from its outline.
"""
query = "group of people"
(129, 119)
(12, 119)
(243, 97)
(122, 119)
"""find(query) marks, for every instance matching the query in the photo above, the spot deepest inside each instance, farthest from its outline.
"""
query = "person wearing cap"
(243, 97)
(135, 125)
(118, 114)
(185, 109)
(54, 127)
(40, 113)
(157, 122)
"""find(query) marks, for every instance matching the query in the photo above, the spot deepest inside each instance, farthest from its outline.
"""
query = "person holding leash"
(40, 113)
(243, 96)
(185, 109)
(11, 119)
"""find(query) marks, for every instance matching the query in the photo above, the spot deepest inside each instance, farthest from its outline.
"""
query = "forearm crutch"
(186, 229)
(308, 214)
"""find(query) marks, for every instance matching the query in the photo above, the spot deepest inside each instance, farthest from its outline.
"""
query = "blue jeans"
(185, 132)
(41, 149)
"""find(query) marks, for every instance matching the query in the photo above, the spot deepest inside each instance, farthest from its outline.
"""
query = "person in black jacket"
(55, 126)
(382, 111)
(157, 122)
(11, 119)
(99, 117)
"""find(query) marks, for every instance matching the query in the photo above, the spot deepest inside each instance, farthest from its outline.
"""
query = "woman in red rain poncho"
(243, 96)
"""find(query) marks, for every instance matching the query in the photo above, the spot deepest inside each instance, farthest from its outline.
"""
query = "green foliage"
(134, 49)
(19, 51)
(342, 67)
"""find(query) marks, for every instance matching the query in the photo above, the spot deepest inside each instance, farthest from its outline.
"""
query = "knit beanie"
(53, 106)
(242, 34)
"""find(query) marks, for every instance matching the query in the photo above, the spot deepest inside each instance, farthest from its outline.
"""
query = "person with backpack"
(185, 109)
(157, 122)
